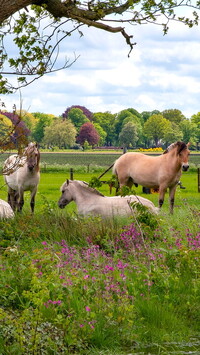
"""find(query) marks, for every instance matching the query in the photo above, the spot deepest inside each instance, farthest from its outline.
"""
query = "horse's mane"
(179, 145)
(31, 147)
(87, 187)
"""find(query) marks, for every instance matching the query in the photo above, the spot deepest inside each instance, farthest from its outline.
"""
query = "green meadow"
(73, 285)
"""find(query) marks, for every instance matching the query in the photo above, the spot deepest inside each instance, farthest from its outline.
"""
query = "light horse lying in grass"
(5, 210)
(163, 171)
(91, 202)
(22, 173)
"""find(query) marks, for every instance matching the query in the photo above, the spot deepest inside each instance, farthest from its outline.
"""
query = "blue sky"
(161, 73)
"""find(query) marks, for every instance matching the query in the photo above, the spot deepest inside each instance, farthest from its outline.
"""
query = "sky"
(162, 72)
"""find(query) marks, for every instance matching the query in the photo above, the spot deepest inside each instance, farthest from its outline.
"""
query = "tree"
(107, 121)
(174, 115)
(77, 117)
(102, 134)
(29, 120)
(17, 136)
(173, 134)
(128, 135)
(38, 27)
(156, 127)
(43, 120)
(88, 133)
(84, 110)
(195, 119)
(146, 114)
(125, 116)
(188, 129)
(5, 127)
(60, 133)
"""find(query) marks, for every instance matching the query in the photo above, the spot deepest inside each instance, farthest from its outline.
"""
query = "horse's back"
(115, 206)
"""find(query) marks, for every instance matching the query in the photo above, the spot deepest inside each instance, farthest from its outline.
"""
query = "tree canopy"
(60, 133)
(38, 28)
(156, 127)
(88, 133)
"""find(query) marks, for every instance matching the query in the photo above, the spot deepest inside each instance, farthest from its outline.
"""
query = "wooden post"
(198, 172)
(71, 174)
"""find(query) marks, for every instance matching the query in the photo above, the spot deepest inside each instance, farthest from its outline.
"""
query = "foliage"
(156, 127)
(5, 127)
(107, 121)
(14, 134)
(128, 135)
(60, 133)
(84, 110)
(189, 131)
(42, 120)
(77, 117)
(88, 284)
(39, 30)
(195, 119)
(174, 115)
(28, 118)
(102, 134)
(95, 182)
(88, 133)
(173, 134)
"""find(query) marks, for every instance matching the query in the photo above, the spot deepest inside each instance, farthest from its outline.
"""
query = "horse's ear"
(67, 181)
(188, 145)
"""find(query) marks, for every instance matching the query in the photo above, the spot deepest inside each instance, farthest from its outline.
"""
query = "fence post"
(71, 174)
(198, 172)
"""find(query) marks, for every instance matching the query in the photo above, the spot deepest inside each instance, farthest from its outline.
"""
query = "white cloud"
(162, 72)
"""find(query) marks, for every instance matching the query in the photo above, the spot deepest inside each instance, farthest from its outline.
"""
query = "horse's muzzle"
(185, 167)
(61, 204)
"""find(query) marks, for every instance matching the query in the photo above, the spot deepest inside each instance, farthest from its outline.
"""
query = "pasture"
(70, 285)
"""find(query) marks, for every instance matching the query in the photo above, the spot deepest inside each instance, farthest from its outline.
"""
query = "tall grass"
(72, 285)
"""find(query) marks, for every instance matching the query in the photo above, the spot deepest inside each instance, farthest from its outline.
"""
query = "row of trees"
(79, 127)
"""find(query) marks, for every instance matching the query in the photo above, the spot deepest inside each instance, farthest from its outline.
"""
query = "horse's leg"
(32, 203)
(172, 191)
(162, 191)
(20, 198)
(11, 198)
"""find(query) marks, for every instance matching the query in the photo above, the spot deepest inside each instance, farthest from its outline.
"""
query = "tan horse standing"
(163, 171)
(22, 174)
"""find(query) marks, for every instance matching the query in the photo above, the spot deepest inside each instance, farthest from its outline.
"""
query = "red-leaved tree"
(88, 133)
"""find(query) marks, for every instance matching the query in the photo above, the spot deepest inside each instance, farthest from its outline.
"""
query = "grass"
(70, 285)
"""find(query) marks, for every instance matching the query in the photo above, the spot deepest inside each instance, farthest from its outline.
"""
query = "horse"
(157, 172)
(22, 173)
(89, 201)
(5, 210)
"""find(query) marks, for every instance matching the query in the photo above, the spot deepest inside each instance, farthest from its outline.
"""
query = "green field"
(50, 183)
(73, 285)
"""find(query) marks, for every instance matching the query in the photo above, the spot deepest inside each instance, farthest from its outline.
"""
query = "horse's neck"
(84, 195)
(172, 157)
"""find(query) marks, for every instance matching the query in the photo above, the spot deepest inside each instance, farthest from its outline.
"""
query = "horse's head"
(33, 156)
(66, 195)
(183, 154)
